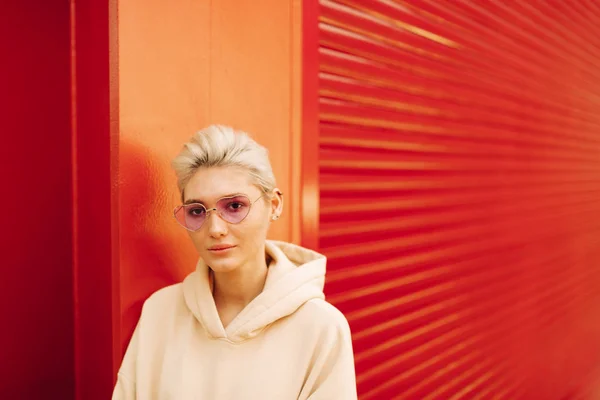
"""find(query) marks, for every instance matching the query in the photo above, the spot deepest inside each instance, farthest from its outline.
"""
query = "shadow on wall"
(154, 251)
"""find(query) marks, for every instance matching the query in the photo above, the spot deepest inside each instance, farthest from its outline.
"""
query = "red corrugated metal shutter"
(460, 193)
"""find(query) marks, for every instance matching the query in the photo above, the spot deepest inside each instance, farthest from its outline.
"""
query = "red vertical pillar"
(310, 125)
(36, 302)
(95, 208)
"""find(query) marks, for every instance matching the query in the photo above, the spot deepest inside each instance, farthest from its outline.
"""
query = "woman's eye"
(235, 205)
(196, 211)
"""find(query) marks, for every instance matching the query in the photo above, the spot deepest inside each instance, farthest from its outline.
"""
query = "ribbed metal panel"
(460, 193)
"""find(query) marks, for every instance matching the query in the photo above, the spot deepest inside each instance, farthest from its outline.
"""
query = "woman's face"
(225, 246)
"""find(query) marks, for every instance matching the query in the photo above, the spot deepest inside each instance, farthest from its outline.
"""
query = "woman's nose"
(216, 226)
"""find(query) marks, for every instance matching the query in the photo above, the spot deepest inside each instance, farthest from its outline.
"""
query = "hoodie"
(286, 344)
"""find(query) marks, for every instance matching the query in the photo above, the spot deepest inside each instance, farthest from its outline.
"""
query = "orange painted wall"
(183, 66)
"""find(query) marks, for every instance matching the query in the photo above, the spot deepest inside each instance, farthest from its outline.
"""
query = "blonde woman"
(251, 321)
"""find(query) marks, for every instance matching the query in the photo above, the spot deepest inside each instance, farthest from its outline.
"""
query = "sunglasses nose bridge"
(217, 212)
(210, 210)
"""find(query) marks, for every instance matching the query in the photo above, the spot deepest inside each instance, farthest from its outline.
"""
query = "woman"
(251, 322)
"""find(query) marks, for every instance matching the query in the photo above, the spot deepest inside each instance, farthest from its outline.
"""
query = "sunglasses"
(232, 209)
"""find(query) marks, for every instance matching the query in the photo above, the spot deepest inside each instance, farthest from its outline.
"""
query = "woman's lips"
(221, 248)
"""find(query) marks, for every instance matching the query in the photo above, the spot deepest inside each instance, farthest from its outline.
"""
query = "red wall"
(36, 332)
(460, 194)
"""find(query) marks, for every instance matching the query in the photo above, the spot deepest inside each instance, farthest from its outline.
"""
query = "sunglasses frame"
(210, 210)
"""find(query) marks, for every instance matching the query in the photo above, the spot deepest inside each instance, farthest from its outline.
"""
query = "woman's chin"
(220, 265)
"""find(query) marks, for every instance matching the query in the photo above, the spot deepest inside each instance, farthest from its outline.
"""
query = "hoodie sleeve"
(332, 374)
(125, 386)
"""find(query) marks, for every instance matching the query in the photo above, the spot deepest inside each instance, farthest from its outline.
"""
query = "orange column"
(184, 66)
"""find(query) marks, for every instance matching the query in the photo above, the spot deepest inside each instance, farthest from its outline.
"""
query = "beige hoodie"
(287, 344)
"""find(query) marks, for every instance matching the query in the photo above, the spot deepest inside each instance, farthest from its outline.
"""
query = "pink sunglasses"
(233, 209)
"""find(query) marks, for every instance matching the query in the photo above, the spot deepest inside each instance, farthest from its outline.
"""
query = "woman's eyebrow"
(197, 201)
(192, 201)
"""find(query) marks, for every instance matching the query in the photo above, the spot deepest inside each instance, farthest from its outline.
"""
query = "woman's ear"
(276, 204)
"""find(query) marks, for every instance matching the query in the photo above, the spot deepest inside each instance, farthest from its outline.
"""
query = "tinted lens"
(233, 209)
(191, 216)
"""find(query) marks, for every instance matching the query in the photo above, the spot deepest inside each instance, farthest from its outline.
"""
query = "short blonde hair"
(222, 146)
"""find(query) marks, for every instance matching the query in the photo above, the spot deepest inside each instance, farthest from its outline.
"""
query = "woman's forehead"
(212, 184)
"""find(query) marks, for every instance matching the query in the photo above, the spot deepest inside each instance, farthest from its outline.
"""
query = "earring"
(275, 217)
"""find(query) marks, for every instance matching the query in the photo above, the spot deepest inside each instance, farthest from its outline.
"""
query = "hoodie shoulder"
(163, 300)
(324, 316)
(165, 293)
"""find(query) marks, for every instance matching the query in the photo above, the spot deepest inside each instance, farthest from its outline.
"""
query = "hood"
(295, 276)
